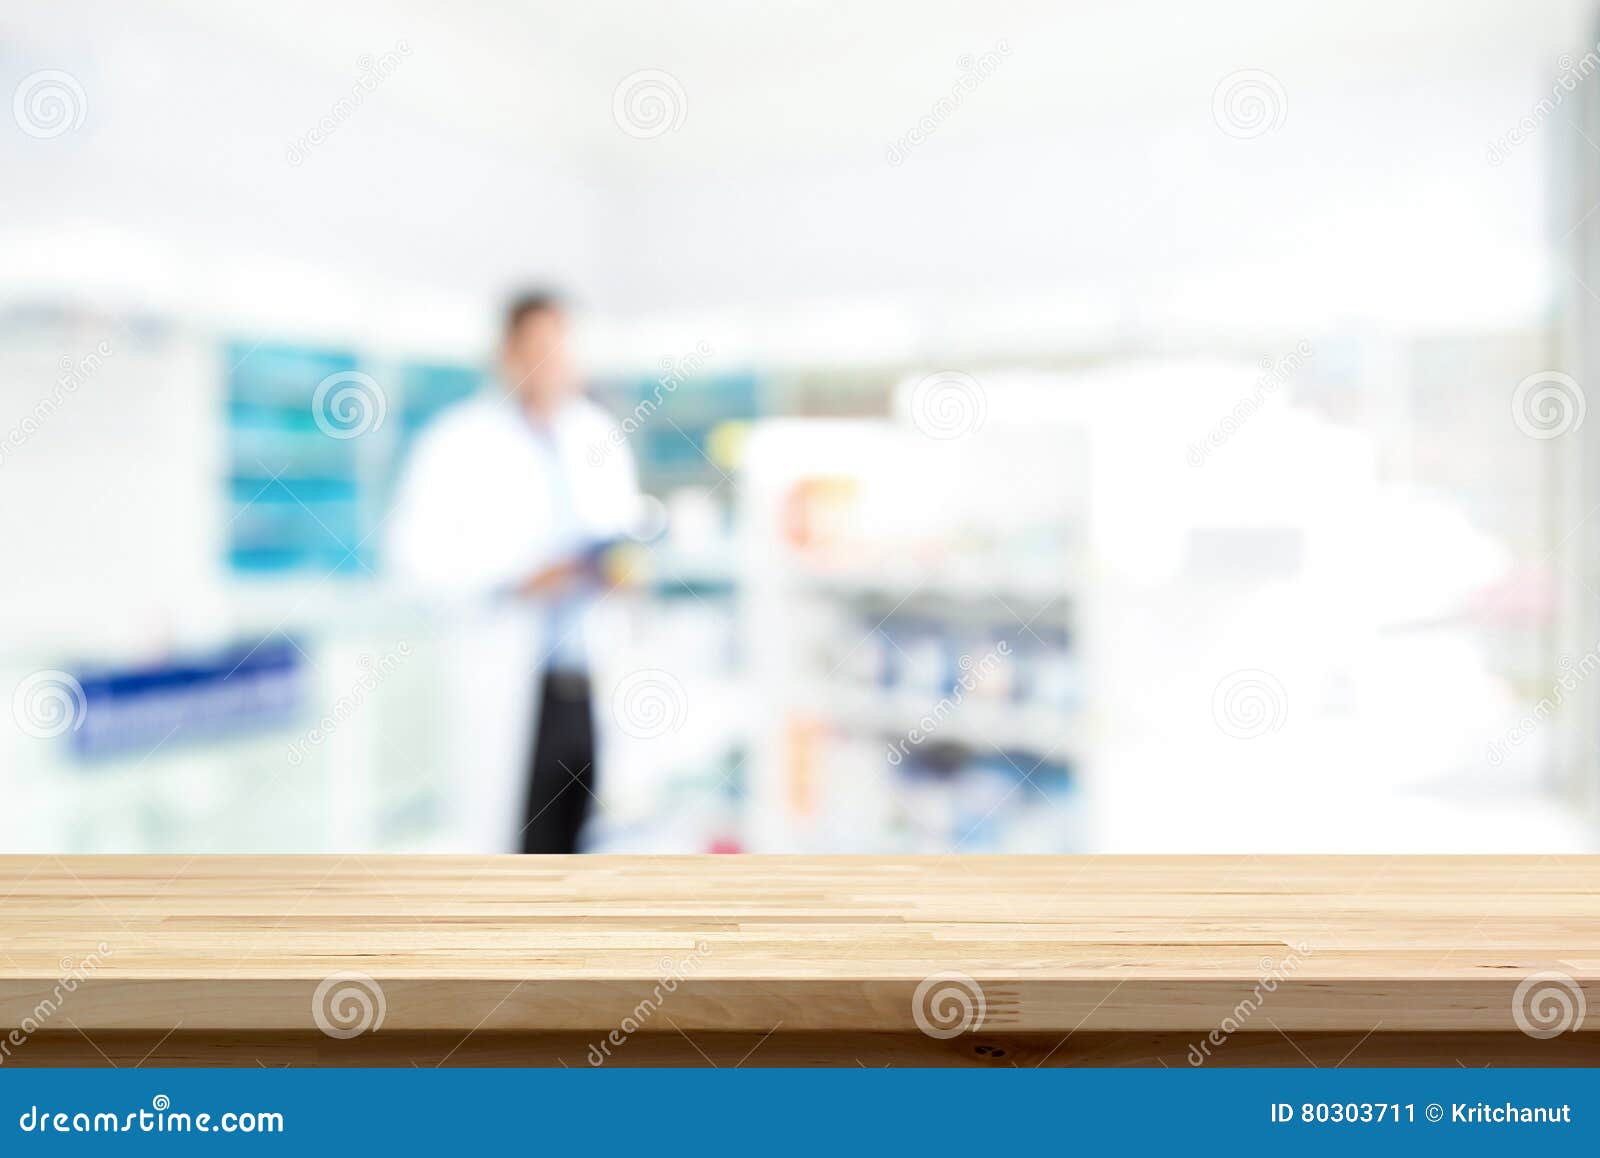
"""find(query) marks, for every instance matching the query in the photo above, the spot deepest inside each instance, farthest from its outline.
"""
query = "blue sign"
(777, 1111)
(239, 690)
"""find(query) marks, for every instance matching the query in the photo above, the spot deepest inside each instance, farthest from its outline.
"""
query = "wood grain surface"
(595, 946)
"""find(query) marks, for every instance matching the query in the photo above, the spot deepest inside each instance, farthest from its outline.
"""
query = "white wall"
(113, 485)
(1084, 185)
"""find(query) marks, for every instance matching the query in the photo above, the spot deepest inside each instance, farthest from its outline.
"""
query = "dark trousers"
(561, 773)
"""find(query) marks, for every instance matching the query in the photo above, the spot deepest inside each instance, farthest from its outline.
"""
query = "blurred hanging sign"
(240, 690)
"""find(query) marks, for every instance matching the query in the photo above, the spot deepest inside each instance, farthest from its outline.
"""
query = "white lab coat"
(475, 513)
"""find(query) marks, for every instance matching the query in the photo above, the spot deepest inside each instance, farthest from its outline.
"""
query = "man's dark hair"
(531, 302)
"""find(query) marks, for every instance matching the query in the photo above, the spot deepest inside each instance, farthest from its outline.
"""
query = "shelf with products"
(971, 587)
(858, 792)
(913, 610)
(328, 740)
(672, 715)
(904, 721)
(315, 437)
(695, 555)
(696, 808)
(683, 790)
(982, 678)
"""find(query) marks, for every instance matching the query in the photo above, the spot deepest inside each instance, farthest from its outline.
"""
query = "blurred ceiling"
(492, 149)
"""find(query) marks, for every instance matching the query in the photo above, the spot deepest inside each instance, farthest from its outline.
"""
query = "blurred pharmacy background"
(1078, 428)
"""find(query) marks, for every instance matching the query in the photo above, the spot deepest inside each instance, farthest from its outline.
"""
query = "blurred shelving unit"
(672, 419)
(315, 436)
(295, 493)
(684, 790)
(911, 597)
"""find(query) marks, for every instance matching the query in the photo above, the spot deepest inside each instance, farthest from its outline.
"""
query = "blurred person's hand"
(556, 579)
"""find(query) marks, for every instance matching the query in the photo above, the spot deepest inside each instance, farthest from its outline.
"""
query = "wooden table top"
(809, 943)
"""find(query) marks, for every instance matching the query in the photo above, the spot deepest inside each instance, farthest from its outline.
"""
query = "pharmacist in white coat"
(502, 510)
